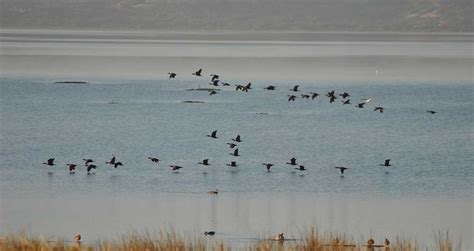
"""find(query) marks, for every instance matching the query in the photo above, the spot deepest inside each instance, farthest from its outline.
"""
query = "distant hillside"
(311, 15)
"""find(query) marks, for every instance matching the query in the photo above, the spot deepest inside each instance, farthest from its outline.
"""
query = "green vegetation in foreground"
(311, 240)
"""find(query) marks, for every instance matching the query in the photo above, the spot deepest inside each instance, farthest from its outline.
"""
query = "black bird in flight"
(270, 88)
(306, 96)
(291, 97)
(50, 162)
(235, 153)
(87, 161)
(387, 163)
(90, 167)
(204, 162)
(117, 164)
(154, 160)
(215, 82)
(111, 161)
(295, 88)
(314, 95)
(360, 105)
(214, 77)
(209, 233)
(72, 168)
(268, 166)
(346, 102)
(198, 73)
(292, 162)
(232, 145)
(172, 74)
(344, 95)
(213, 134)
(341, 168)
(247, 87)
(232, 163)
(175, 168)
(300, 168)
(212, 92)
(237, 139)
(379, 108)
(432, 112)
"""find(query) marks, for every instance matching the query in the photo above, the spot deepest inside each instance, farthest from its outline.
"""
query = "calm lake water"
(134, 116)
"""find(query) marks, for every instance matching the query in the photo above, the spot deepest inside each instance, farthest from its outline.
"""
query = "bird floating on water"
(432, 112)
(209, 233)
(270, 88)
(216, 191)
(212, 92)
(232, 164)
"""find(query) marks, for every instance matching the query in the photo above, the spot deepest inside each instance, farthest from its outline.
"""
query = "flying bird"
(379, 108)
(306, 96)
(248, 86)
(232, 145)
(268, 166)
(90, 167)
(237, 139)
(215, 82)
(291, 97)
(214, 77)
(204, 162)
(295, 88)
(235, 153)
(117, 164)
(172, 74)
(87, 161)
(154, 160)
(387, 163)
(213, 134)
(300, 168)
(209, 233)
(292, 162)
(432, 112)
(346, 102)
(50, 162)
(72, 167)
(212, 92)
(270, 88)
(175, 168)
(314, 95)
(367, 100)
(360, 105)
(344, 95)
(111, 161)
(341, 168)
(198, 73)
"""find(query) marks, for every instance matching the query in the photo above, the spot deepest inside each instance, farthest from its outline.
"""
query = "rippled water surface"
(428, 188)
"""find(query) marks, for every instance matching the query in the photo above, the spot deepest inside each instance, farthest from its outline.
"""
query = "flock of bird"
(215, 81)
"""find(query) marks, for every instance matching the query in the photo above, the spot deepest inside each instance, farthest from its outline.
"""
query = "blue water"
(431, 154)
